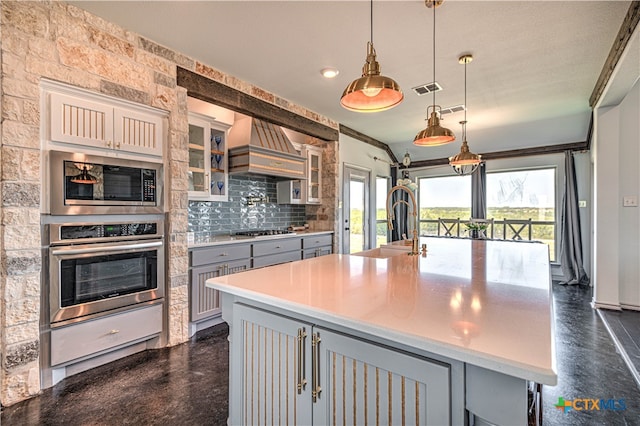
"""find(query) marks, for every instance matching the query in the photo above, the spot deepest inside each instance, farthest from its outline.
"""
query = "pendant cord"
(371, 22)
(464, 127)
(434, 54)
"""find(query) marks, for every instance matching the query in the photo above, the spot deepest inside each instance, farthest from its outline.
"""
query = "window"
(382, 232)
(447, 197)
(524, 195)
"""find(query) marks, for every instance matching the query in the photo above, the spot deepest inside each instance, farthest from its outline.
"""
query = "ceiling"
(535, 62)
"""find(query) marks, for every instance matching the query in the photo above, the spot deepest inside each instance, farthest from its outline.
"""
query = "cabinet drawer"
(220, 254)
(274, 259)
(316, 241)
(78, 340)
(275, 246)
(316, 252)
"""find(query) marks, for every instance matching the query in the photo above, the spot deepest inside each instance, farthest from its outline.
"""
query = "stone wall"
(61, 42)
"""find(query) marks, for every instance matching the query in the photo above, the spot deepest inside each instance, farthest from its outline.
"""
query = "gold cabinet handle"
(118, 145)
(315, 367)
(109, 144)
(302, 381)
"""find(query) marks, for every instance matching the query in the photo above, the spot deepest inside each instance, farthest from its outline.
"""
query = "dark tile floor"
(588, 365)
(624, 327)
(183, 385)
(187, 384)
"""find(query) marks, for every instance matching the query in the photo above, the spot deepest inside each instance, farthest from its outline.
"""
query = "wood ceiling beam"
(368, 140)
(205, 89)
(622, 39)
(512, 153)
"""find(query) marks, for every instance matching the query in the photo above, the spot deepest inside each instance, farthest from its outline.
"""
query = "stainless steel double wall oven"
(104, 239)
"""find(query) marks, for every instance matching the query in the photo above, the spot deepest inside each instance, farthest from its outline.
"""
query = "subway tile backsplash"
(212, 217)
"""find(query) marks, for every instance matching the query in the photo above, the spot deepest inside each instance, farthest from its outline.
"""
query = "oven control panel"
(110, 230)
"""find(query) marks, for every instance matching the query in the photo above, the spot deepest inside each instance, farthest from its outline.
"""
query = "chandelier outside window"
(465, 162)
(372, 92)
(434, 134)
(407, 159)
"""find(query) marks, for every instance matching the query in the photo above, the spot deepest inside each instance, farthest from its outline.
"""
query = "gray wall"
(212, 217)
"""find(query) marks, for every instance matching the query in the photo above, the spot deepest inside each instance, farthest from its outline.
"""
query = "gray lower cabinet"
(214, 262)
(318, 245)
(272, 252)
(288, 371)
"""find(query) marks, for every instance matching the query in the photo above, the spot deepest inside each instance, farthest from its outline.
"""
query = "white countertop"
(216, 240)
(487, 303)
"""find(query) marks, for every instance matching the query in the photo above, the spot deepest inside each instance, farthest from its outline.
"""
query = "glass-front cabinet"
(208, 162)
(314, 172)
(308, 191)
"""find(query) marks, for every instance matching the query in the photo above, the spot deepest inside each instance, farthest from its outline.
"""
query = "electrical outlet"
(582, 203)
(630, 201)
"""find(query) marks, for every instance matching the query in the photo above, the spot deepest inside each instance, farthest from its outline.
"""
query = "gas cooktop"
(263, 232)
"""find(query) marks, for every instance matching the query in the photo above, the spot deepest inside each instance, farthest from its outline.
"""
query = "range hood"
(259, 147)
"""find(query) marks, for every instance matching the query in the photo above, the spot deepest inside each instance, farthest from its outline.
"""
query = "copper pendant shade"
(372, 92)
(465, 162)
(434, 134)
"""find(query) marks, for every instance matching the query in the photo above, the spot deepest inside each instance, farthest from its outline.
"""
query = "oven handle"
(65, 251)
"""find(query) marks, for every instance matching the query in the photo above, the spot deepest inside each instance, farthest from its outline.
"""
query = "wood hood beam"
(207, 90)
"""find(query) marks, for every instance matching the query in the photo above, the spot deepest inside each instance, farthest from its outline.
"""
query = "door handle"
(302, 381)
(315, 367)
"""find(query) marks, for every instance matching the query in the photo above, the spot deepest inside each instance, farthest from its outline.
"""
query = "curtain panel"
(570, 238)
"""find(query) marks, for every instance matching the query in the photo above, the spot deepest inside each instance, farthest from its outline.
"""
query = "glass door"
(218, 159)
(355, 210)
(208, 179)
(198, 176)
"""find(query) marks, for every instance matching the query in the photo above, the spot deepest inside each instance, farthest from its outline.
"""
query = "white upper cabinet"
(308, 191)
(81, 121)
(137, 132)
(208, 162)
(314, 174)
(92, 120)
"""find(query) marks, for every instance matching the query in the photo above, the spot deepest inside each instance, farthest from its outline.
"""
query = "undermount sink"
(383, 252)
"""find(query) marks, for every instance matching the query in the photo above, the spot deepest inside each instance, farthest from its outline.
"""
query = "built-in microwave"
(87, 184)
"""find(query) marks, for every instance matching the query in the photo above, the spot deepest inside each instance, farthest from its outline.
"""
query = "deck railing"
(541, 230)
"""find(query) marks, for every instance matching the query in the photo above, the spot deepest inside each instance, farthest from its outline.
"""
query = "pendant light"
(434, 134)
(84, 177)
(372, 92)
(465, 162)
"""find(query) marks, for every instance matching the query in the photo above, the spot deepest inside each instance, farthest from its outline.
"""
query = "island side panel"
(449, 404)
(494, 397)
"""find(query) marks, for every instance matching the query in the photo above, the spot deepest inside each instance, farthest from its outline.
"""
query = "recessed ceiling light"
(329, 72)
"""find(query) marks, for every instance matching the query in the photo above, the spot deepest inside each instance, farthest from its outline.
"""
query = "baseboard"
(194, 327)
(600, 305)
(630, 307)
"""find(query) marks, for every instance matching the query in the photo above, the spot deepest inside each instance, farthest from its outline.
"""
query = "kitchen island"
(392, 338)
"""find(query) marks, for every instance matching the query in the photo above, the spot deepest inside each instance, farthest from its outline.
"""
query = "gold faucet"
(414, 212)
